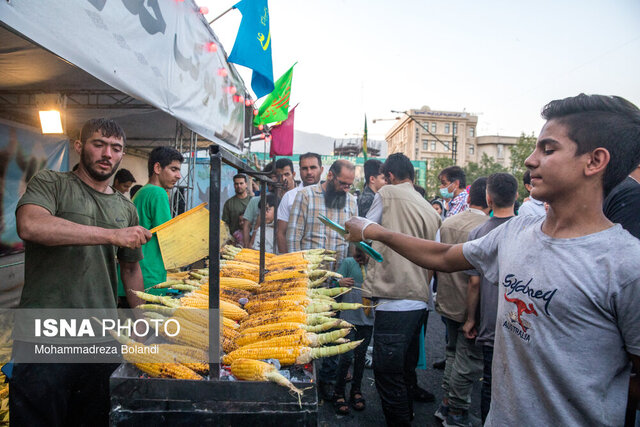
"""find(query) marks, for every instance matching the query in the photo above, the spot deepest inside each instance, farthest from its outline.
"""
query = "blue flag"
(253, 45)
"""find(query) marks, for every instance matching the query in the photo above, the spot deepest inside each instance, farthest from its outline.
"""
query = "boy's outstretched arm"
(425, 253)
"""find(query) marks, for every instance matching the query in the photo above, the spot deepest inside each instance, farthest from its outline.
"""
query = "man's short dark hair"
(338, 165)
(163, 155)
(526, 178)
(309, 155)
(240, 176)
(594, 121)
(478, 193)
(123, 175)
(453, 173)
(268, 168)
(399, 165)
(271, 199)
(419, 189)
(134, 190)
(107, 128)
(372, 167)
(503, 189)
(283, 163)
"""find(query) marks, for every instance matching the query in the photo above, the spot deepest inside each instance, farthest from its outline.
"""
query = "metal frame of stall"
(136, 400)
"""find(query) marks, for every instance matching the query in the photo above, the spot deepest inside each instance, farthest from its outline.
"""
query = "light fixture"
(51, 121)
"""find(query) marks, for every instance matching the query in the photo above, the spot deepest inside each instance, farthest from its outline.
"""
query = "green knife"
(362, 245)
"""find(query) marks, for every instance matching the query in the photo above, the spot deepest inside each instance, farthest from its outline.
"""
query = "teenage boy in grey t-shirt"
(567, 323)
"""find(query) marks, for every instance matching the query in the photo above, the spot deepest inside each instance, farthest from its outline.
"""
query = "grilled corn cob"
(255, 370)
(299, 337)
(289, 355)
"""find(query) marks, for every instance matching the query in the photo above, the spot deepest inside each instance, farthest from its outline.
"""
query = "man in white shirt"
(310, 173)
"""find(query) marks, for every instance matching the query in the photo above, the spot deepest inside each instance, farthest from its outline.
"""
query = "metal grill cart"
(138, 400)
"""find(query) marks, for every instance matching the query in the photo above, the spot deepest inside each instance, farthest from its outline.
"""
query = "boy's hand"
(469, 329)
(355, 228)
(346, 282)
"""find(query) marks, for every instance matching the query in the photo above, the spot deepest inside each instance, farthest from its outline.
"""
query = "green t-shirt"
(74, 276)
(233, 208)
(152, 203)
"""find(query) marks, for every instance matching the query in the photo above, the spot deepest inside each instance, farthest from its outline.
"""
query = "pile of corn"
(4, 400)
(288, 317)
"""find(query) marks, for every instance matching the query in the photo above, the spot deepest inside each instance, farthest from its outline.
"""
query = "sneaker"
(442, 412)
(457, 420)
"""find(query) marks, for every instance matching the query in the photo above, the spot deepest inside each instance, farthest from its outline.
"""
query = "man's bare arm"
(36, 224)
(246, 232)
(282, 236)
(425, 253)
(473, 296)
(132, 280)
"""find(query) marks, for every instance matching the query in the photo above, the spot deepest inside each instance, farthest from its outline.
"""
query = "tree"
(432, 181)
(519, 153)
(486, 167)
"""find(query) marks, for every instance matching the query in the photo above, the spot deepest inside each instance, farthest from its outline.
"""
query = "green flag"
(364, 139)
(275, 107)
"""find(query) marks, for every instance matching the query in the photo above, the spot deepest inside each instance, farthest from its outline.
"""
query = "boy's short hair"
(123, 175)
(594, 121)
(240, 176)
(372, 167)
(163, 155)
(526, 178)
(453, 173)
(399, 165)
(107, 128)
(283, 163)
(503, 189)
(478, 192)
(271, 200)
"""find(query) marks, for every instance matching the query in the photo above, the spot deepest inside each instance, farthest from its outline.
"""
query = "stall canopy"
(145, 64)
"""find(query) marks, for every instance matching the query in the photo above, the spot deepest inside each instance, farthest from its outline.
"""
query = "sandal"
(340, 405)
(357, 403)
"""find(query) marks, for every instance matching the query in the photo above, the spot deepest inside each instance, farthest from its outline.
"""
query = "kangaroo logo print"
(522, 308)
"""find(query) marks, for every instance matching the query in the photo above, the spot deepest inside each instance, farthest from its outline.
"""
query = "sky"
(502, 60)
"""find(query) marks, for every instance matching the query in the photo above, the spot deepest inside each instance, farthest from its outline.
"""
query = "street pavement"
(430, 379)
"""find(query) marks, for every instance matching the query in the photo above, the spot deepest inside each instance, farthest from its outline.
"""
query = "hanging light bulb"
(222, 72)
(260, 127)
(211, 47)
(204, 10)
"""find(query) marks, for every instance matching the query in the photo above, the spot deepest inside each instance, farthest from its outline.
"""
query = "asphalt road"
(430, 379)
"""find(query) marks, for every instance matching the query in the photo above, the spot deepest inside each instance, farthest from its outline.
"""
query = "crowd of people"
(540, 302)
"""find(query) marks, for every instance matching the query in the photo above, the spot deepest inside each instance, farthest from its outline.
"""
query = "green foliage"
(519, 153)
(486, 167)
(433, 183)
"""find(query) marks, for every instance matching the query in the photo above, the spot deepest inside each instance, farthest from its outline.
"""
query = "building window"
(433, 146)
(425, 144)
(434, 127)
(471, 132)
(426, 125)
(455, 128)
(446, 127)
(471, 150)
(500, 151)
(446, 146)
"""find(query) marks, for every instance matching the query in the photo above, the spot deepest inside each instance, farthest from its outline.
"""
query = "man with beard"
(75, 227)
(152, 203)
(310, 173)
(305, 231)
(331, 199)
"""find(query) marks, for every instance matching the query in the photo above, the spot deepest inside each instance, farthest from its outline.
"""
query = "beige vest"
(404, 211)
(452, 287)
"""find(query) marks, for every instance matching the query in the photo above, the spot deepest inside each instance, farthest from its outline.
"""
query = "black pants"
(396, 337)
(358, 356)
(60, 394)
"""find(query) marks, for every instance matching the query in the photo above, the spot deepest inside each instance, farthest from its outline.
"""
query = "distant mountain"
(304, 142)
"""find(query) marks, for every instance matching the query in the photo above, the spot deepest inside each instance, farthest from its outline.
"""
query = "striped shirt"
(458, 204)
(305, 231)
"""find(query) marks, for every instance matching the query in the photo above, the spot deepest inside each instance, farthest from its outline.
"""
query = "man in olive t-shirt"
(235, 206)
(152, 203)
(74, 226)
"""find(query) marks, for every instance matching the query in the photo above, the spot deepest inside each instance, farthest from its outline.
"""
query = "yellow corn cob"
(232, 312)
(286, 275)
(293, 326)
(229, 301)
(169, 302)
(289, 355)
(190, 352)
(238, 274)
(183, 355)
(234, 294)
(288, 316)
(255, 370)
(198, 338)
(228, 345)
(300, 337)
(249, 338)
(230, 333)
(276, 286)
(236, 283)
(277, 304)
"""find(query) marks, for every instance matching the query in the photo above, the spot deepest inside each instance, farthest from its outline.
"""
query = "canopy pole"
(221, 15)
